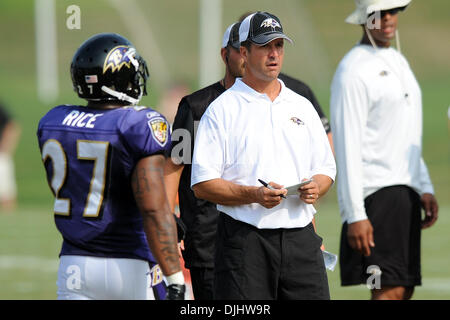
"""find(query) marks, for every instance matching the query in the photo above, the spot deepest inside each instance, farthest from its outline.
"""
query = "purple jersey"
(89, 155)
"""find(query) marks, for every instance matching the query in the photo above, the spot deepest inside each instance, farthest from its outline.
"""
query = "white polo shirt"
(376, 120)
(244, 136)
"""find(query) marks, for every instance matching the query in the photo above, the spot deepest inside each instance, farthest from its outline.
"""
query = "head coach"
(259, 129)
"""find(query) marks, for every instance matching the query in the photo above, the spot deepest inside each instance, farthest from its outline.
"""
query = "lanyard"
(400, 76)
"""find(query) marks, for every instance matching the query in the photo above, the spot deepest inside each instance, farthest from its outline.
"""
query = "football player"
(104, 165)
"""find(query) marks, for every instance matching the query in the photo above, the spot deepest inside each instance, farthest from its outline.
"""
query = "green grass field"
(29, 242)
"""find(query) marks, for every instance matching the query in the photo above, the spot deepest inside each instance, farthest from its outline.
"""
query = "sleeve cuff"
(203, 176)
(355, 217)
(329, 173)
(427, 189)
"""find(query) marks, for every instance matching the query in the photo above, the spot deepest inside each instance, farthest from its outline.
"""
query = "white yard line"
(29, 262)
(435, 284)
(39, 264)
(428, 284)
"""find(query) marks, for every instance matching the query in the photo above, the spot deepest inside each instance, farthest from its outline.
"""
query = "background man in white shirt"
(376, 118)
(259, 129)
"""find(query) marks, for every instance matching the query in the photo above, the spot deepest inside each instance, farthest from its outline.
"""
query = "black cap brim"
(265, 38)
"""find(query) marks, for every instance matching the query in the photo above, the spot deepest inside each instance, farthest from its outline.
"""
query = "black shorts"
(395, 214)
(202, 279)
(268, 264)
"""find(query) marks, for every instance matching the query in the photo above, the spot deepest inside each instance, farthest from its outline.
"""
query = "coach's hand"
(181, 228)
(360, 236)
(310, 192)
(270, 198)
(176, 292)
(430, 205)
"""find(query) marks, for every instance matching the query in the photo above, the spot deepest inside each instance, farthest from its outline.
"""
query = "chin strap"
(369, 35)
(374, 45)
(397, 39)
(121, 96)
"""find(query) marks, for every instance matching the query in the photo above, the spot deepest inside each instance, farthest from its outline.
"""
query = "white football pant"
(97, 278)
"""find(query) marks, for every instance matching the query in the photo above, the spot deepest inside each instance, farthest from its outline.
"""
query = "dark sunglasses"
(392, 12)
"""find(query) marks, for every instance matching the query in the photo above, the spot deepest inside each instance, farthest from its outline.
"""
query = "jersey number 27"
(87, 150)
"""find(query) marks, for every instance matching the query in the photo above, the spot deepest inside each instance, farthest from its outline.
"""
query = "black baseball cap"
(261, 28)
(231, 36)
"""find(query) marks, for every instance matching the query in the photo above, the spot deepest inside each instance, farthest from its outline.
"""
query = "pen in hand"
(265, 184)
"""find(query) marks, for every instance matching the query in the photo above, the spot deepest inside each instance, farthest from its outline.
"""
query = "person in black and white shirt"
(376, 119)
(260, 129)
(199, 216)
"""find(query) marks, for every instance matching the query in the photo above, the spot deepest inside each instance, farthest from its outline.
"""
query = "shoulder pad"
(136, 108)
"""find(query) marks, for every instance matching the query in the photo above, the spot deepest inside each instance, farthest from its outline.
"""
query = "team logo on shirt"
(384, 73)
(297, 121)
(156, 275)
(160, 130)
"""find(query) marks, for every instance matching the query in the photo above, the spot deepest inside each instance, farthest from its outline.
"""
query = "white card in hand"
(293, 190)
